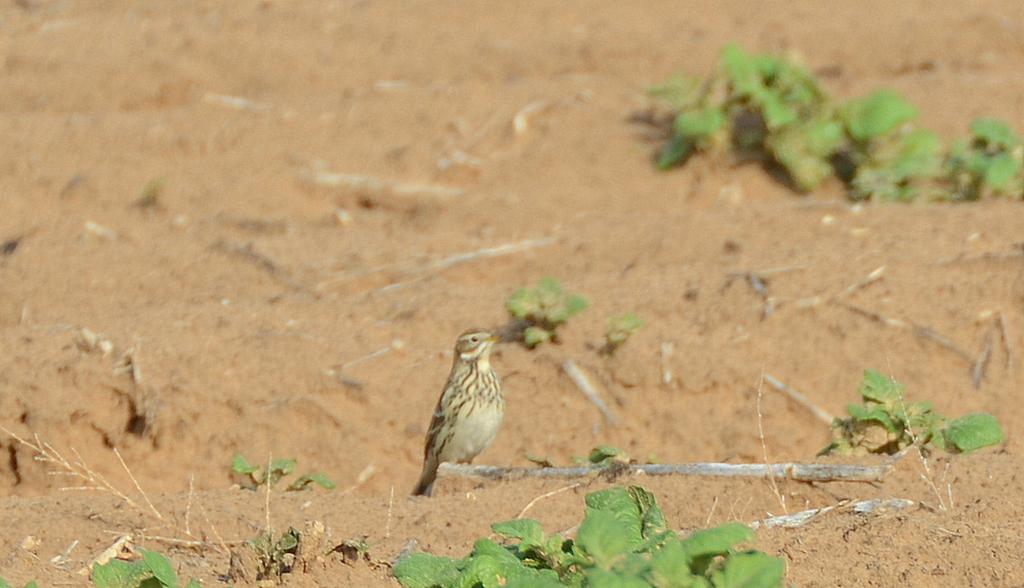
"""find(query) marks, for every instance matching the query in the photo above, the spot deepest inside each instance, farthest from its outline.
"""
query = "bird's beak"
(494, 338)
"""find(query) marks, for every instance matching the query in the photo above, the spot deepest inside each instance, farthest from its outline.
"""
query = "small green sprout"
(619, 329)
(258, 475)
(885, 423)
(544, 309)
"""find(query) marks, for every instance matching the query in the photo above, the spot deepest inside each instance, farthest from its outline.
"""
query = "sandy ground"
(155, 184)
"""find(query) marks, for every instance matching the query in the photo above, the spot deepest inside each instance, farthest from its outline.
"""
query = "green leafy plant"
(892, 161)
(886, 423)
(623, 540)
(275, 556)
(258, 475)
(4, 584)
(619, 329)
(772, 109)
(543, 309)
(990, 164)
(153, 570)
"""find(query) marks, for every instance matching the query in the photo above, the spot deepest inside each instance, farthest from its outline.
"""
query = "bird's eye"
(474, 339)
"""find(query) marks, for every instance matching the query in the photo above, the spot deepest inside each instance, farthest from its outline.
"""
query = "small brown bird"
(469, 412)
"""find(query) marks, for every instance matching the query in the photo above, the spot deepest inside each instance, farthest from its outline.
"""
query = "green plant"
(772, 109)
(623, 540)
(258, 475)
(991, 163)
(151, 571)
(886, 423)
(891, 160)
(619, 329)
(4, 584)
(275, 556)
(544, 309)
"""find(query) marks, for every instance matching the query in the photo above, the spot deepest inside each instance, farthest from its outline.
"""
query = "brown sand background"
(240, 293)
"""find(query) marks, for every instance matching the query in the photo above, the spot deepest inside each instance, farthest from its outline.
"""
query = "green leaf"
(749, 570)
(527, 531)
(161, 568)
(1001, 170)
(877, 114)
(576, 304)
(549, 290)
(717, 540)
(699, 124)
(740, 69)
(317, 478)
(652, 519)
(602, 453)
(918, 156)
(241, 466)
(879, 388)
(119, 574)
(605, 537)
(994, 132)
(289, 541)
(777, 112)
(675, 151)
(877, 414)
(284, 466)
(4, 584)
(973, 431)
(422, 570)
(534, 336)
(599, 578)
(670, 566)
(522, 303)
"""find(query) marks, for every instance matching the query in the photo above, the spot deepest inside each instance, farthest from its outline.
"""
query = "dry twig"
(821, 414)
(579, 377)
(417, 271)
(801, 472)
(803, 517)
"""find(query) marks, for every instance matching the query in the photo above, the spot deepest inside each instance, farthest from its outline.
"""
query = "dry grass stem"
(764, 445)
(921, 331)
(521, 120)
(1004, 335)
(79, 470)
(145, 497)
(667, 348)
(980, 366)
(582, 381)
(537, 499)
(820, 413)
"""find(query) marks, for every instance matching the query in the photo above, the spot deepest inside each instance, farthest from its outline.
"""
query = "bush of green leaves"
(885, 423)
(623, 541)
(772, 109)
(543, 309)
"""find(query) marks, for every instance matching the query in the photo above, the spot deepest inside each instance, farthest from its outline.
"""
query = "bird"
(469, 411)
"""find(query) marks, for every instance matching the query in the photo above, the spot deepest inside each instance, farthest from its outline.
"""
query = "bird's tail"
(426, 484)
